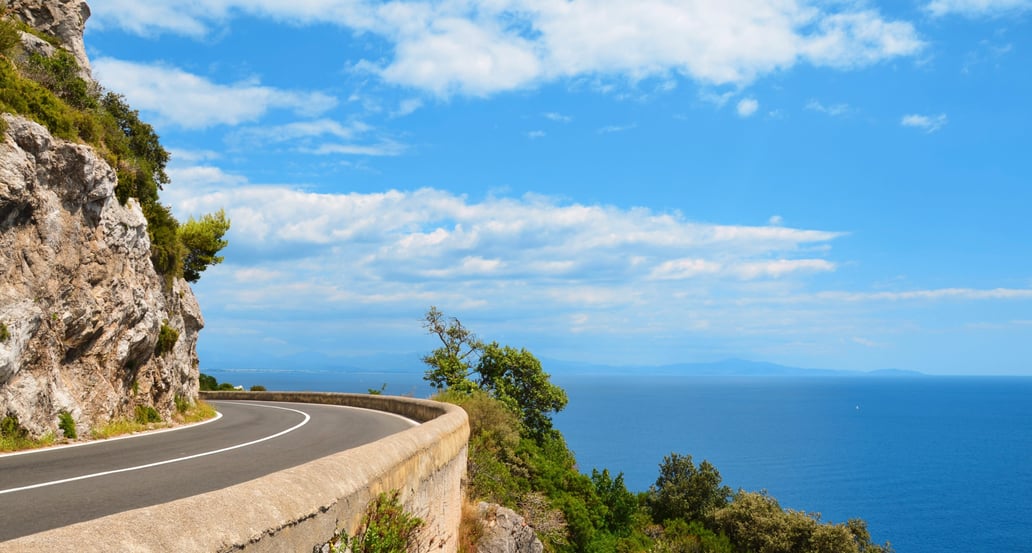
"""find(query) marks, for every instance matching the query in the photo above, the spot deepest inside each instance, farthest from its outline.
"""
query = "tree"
(203, 240)
(516, 378)
(451, 365)
(512, 376)
(684, 491)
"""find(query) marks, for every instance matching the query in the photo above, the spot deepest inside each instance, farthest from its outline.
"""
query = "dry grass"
(471, 528)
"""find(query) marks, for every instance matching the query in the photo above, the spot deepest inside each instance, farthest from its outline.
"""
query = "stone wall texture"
(302, 508)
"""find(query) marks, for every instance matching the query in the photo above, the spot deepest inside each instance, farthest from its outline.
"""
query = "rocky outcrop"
(505, 531)
(79, 297)
(64, 19)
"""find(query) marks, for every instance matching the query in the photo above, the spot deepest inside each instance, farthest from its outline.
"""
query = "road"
(47, 489)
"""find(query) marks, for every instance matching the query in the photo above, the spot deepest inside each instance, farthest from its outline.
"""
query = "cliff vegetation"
(516, 459)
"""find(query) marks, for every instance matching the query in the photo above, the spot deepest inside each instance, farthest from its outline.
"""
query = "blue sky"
(839, 184)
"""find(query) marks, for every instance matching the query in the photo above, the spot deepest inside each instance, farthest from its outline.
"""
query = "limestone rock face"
(65, 19)
(506, 532)
(79, 297)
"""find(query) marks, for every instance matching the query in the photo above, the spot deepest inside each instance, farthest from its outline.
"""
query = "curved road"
(47, 489)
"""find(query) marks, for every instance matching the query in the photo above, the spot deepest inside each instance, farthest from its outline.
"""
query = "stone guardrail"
(301, 508)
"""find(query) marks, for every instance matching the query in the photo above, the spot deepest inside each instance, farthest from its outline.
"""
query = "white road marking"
(169, 461)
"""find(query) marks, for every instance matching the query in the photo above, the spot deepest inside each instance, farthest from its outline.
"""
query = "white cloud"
(557, 117)
(610, 129)
(533, 135)
(747, 106)
(833, 110)
(776, 220)
(977, 8)
(928, 123)
(481, 48)
(190, 101)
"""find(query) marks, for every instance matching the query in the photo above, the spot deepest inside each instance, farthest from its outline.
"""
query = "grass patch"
(4, 333)
(194, 412)
(386, 528)
(14, 437)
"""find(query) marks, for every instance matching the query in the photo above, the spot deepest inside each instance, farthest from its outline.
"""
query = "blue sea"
(933, 464)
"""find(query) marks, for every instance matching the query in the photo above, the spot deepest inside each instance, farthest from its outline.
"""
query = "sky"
(839, 184)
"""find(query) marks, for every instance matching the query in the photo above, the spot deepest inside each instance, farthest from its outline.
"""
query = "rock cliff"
(81, 306)
(63, 19)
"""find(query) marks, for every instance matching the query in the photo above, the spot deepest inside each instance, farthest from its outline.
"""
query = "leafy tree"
(451, 364)
(208, 382)
(202, 240)
(515, 377)
(684, 491)
(620, 504)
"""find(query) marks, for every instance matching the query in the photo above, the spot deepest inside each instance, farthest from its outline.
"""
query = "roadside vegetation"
(386, 527)
(51, 92)
(517, 459)
(209, 383)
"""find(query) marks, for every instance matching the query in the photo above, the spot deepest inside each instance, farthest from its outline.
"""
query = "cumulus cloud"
(194, 102)
(481, 48)
(430, 245)
(928, 123)
(977, 8)
(747, 107)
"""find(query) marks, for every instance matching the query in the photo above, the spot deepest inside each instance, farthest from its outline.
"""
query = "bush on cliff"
(520, 462)
(50, 91)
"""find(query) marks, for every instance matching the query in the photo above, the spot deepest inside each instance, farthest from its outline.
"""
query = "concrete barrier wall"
(299, 509)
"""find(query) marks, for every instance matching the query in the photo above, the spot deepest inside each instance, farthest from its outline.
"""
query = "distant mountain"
(726, 367)
(410, 363)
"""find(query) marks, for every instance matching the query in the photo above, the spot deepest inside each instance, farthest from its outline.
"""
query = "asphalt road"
(51, 488)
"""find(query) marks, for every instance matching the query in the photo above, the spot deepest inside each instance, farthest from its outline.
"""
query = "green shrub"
(50, 91)
(226, 386)
(167, 338)
(386, 528)
(67, 425)
(258, 388)
(4, 333)
(146, 414)
(183, 404)
(207, 382)
(9, 37)
(10, 427)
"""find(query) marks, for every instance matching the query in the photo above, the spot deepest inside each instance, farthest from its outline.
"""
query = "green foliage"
(167, 339)
(258, 388)
(208, 382)
(50, 91)
(59, 73)
(451, 364)
(679, 536)
(9, 37)
(512, 376)
(67, 425)
(29, 98)
(10, 427)
(202, 240)
(226, 387)
(5, 334)
(183, 404)
(386, 528)
(684, 491)
(756, 523)
(146, 414)
(516, 378)
(377, 391)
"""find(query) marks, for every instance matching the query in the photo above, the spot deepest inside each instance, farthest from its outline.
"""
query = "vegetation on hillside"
(518, 460)
(50, 91)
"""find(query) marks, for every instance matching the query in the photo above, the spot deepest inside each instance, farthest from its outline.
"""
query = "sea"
(932, 464)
